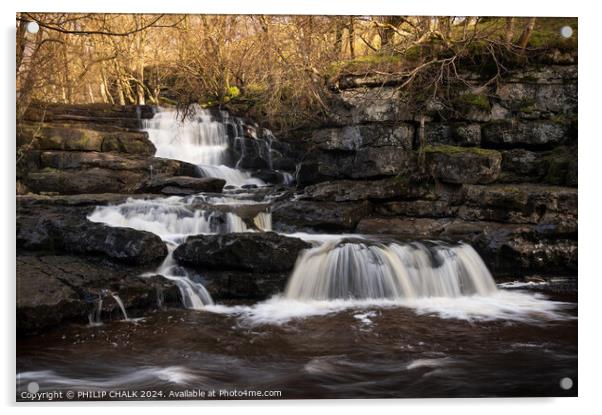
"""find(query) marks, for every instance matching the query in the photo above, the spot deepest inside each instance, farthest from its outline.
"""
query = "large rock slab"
(56, 289)
(183, 185)
(365, 163)
(256, 252)
(463, 165)
(293, 216)
(66, 230)
(398, 187)
(552, 208)
(85, 172)
(353, 137)
(408, 228)
(77, 137)
(539, 134)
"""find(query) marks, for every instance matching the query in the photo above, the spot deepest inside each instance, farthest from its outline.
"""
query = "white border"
(590, 176)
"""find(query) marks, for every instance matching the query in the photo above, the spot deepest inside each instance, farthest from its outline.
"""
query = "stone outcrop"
(55, 289)
(85, 149)
(254, 252)
(495, 166)
(66, 230)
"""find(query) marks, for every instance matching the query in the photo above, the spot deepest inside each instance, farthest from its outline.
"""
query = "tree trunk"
(351, 38)
(509, 32)
(523, 41)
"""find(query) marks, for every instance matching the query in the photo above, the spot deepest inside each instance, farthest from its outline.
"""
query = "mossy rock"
(467, 101)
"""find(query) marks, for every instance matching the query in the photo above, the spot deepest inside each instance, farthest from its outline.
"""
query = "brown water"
(372, 352)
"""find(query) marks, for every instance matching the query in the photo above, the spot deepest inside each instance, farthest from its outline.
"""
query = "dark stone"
(353, 137)
(463, 164)
(323, 216)
(365, 163)
(410, 228)
(56, 289)
(184, 185)
(529, 135)
(257, 252)
(66, 230)
(243, 285)
(77, 172)
(354, 190)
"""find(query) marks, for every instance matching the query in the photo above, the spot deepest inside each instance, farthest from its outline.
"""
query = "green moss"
(473, 100)
(564, 119)
(452, 150)
(557, 162)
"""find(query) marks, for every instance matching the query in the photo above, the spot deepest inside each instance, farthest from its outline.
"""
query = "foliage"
(279, 69)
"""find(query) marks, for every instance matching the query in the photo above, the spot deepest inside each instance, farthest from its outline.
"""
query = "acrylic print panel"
(285, 207)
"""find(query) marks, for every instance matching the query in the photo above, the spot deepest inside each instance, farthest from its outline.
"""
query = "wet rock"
(56, 289)
(66, 230)
(324, 216)
(257, 252)
(452, 164)
(241, 285)
(183, 185)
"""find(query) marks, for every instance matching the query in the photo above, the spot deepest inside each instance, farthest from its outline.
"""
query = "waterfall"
(121, 306)
(362, 269)
(198, 139)
(173, 219)
(95, 316)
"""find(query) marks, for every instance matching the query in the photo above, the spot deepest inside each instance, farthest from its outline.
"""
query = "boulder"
(57, 289)
(461, 165)
(255, 252)
(66, 230)
(323, 216)
(244, 285)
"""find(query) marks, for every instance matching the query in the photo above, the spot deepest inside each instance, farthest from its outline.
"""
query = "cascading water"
(368, 270)
(198, 139)
(173, 219)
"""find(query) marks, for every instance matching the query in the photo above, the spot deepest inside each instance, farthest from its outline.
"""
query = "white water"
(198, 139)
(173, 219)
(121, 306)
(49, 379)
(359, 270)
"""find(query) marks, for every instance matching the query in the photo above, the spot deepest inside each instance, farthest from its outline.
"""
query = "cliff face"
(496, 168)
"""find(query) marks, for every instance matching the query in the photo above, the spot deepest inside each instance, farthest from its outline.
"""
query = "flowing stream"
(359, 315)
